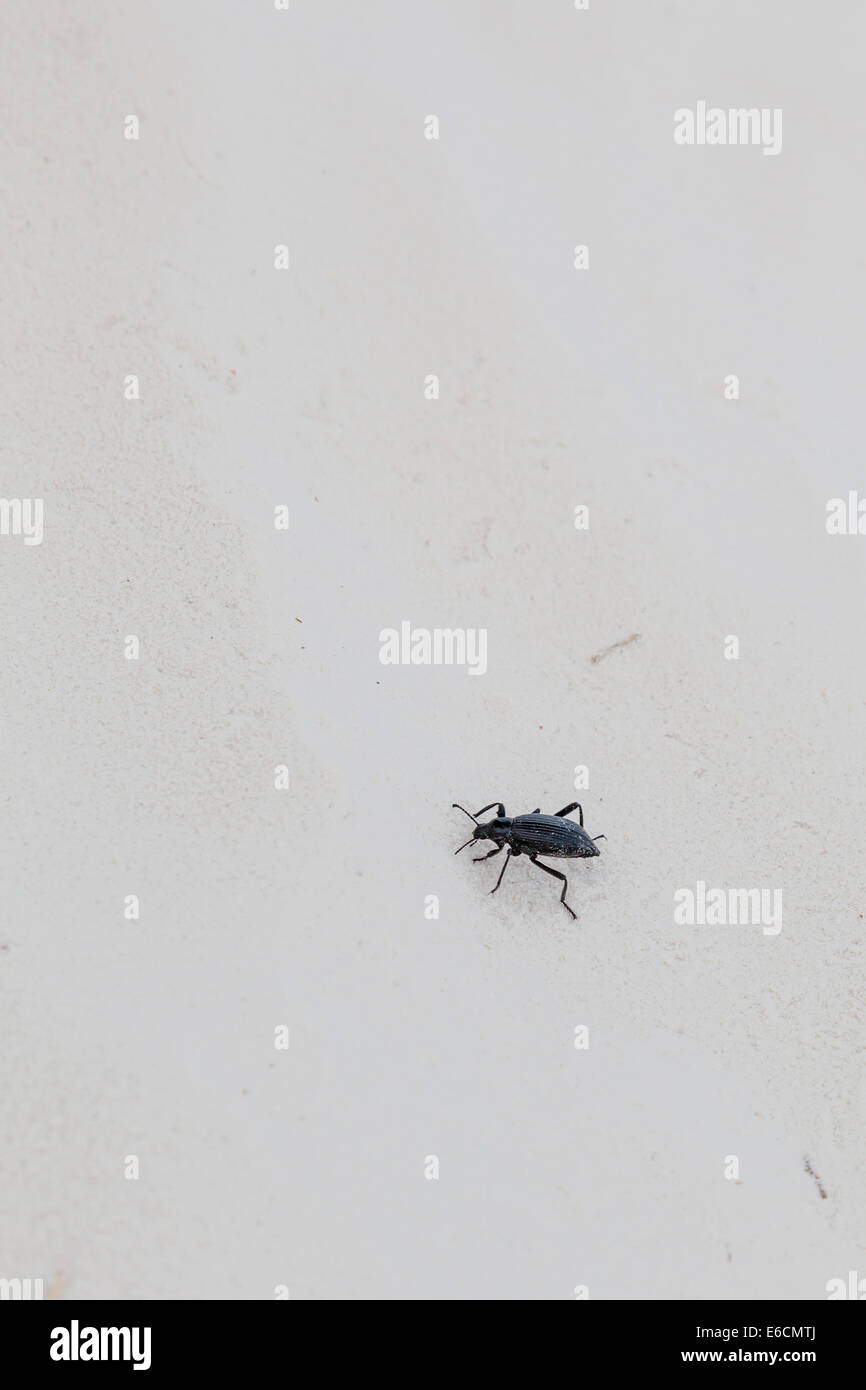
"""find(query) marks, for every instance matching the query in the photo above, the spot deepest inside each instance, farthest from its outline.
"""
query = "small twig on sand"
(606, 651)
(812, 1174)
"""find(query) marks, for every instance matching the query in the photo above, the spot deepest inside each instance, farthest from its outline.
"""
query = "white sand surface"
(411, 1037)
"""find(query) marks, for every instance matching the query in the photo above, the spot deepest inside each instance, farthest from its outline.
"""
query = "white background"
(412, 1037)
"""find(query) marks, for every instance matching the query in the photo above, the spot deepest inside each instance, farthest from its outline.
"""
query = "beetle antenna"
(468, 842)
(455, 807)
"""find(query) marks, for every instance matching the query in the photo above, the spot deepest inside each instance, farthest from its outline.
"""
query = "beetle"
(553, 836)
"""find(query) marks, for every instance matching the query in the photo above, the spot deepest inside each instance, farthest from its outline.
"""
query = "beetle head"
(495, 830)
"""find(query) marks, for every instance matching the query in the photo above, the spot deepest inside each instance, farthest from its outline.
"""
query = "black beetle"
(552, 836)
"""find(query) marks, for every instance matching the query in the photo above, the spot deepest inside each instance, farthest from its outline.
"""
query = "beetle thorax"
(496, 830)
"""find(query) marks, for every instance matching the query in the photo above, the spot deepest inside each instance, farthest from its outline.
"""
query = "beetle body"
(551, 836)
(554, 837)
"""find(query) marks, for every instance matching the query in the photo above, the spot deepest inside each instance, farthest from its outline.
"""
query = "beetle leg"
(500, 809)
(567, 810)
(481, 857)
(556, 874)
(536, 811)
(504, 867)
(599, 837)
